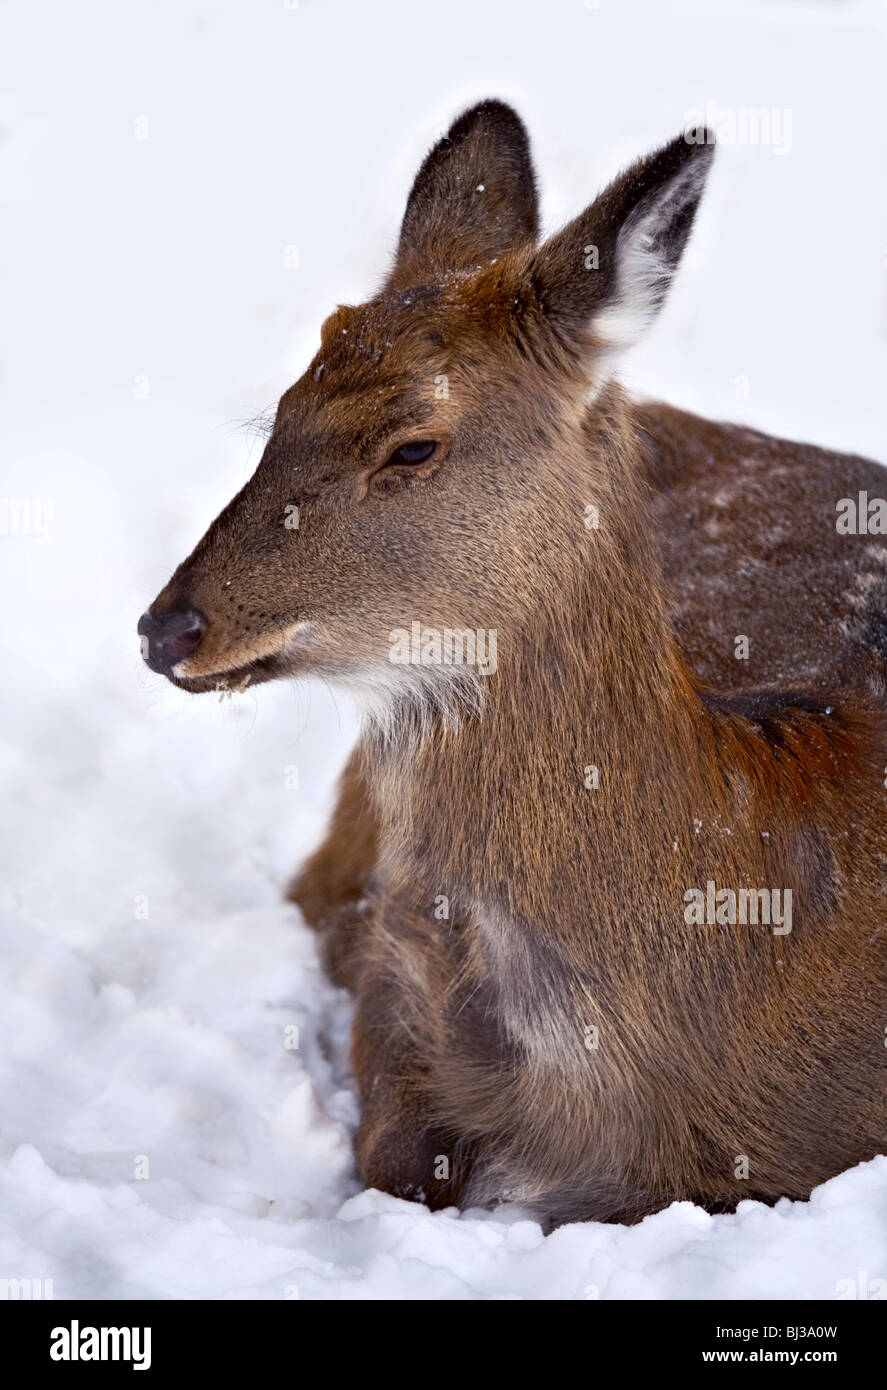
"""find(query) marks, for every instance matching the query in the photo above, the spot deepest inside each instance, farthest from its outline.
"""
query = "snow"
(161, 1136)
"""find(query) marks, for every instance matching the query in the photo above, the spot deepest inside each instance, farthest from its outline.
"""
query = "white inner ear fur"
(645, 262)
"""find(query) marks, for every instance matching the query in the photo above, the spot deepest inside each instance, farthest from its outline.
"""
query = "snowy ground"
(158, 1135)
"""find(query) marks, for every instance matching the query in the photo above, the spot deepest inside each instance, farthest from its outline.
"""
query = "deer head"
(422, 466)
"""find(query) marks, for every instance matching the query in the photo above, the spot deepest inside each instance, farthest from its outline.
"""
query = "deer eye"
(417, 451)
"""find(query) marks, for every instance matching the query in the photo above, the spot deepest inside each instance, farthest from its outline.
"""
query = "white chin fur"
(405, 701)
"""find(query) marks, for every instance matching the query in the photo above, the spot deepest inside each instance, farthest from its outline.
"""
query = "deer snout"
(168, 638)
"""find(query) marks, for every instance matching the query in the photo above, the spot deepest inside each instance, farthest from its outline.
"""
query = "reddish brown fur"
(566, 904)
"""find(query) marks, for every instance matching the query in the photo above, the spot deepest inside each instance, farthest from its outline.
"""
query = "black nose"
(171, 637)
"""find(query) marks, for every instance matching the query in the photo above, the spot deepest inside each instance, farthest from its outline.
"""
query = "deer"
(533, 879)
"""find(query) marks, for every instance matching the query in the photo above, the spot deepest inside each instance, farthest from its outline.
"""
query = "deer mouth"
(284, 656)
(234, 679)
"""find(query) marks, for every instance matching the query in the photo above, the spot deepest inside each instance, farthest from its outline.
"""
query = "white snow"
(158, 1136)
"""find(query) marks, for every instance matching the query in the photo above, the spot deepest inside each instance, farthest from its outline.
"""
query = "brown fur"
(616, 648)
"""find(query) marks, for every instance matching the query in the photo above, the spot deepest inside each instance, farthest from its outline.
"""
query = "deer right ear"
(603, 278)
(474, 197)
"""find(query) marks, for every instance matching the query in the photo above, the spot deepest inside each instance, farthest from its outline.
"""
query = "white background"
(145, 314)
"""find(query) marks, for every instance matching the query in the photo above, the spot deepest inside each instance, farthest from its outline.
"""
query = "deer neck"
(577, 733)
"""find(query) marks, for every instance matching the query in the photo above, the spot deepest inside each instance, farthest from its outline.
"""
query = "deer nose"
(170, 637)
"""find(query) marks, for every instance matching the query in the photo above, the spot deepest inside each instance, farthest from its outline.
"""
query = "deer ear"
(604, 277)
(474, 197)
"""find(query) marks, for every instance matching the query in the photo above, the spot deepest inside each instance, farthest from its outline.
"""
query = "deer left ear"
(474, 197)
(603, 278)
